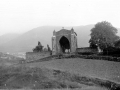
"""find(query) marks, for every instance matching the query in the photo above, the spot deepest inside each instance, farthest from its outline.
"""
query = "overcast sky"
(22, 15)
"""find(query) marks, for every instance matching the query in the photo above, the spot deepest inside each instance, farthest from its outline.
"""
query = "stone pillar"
(54, 43)
(73, 41)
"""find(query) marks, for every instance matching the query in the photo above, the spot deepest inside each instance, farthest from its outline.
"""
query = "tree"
(92, 45)
(103, 35)
(38, 48)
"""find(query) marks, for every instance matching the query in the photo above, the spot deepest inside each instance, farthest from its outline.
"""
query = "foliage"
(38, 48)
(93, 46)
(103, 35)
(117, 44)
(112, 51)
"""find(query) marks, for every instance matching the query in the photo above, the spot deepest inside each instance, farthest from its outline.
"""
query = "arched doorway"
(64, 44)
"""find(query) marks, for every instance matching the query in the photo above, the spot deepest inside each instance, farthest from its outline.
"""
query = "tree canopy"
(103, 35)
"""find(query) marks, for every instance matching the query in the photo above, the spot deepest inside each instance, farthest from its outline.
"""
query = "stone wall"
(36, 55)
(86, 50)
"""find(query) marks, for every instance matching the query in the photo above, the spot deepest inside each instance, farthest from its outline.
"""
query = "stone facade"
(64, 40)
(36, 55)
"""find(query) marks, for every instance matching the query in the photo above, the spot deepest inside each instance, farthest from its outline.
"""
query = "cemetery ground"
(77, 74)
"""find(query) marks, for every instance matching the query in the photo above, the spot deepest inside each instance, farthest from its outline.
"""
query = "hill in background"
(8, 37)
(27, 41)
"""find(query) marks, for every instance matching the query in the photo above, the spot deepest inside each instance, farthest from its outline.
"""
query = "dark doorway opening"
(65, 44)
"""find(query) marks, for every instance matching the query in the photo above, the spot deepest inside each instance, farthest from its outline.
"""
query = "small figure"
(39, 43)
(48, 47)
(38, 48)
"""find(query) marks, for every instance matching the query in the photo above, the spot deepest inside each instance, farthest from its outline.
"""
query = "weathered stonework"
(62, 40)
(36, 55)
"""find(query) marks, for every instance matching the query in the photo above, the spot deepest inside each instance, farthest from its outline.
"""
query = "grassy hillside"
(41, 78)
(85, 67)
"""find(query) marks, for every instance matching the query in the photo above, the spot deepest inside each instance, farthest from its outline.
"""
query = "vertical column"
(76, 44)
(58, 46)
(72, 43)
(54, 45)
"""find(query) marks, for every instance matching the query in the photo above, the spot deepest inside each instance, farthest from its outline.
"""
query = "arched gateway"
(64, 40)
(64, 44)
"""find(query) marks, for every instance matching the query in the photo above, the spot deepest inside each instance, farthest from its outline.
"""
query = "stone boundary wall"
(36, 55)
(86, 50)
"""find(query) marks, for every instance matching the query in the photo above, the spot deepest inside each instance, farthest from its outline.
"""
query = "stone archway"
(64, 44)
